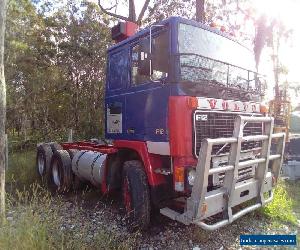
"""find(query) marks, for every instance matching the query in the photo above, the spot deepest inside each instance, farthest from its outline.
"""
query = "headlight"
(191, 176)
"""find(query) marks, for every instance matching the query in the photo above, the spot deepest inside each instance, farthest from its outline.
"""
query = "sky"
(288, 12)
(121, 10)
(291, 52)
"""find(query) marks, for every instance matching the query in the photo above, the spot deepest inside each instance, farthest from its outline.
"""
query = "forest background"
(55, 59)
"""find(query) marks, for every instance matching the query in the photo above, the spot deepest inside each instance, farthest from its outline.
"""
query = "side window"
(160, 54)
(118, 70)
(136, 78)
(160, 59)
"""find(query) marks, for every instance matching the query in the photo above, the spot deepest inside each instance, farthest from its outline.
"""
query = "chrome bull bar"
(203, 204)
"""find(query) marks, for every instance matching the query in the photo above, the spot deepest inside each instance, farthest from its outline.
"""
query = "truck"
(186, 132)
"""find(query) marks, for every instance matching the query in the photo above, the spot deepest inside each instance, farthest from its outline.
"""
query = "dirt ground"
(95, 213)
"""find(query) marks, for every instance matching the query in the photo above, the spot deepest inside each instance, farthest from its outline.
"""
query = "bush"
(281, 208)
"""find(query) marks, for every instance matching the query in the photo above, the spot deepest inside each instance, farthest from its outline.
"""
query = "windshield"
(206, 56)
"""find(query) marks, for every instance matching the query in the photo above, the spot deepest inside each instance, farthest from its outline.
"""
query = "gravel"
(94, 213)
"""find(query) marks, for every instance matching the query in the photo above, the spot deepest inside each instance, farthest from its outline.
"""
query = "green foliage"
(21, 170)
(164, 9)
(55, 63)
(55, 69)
(281, 208)
(293, 189)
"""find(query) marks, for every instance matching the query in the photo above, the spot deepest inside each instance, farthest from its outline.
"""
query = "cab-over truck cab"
(188, 133)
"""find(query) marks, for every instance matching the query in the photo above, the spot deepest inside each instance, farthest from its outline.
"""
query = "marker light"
(192, 102)
(213, 25)
(232, 34)
(264, 108)
(179, 178)
(223, 29)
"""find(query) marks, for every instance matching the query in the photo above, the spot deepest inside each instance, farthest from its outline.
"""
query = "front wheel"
(136, 195)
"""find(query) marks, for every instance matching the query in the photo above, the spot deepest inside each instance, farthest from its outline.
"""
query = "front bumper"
(203, 204)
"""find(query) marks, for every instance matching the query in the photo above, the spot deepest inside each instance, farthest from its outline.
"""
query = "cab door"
(117, 83)
(147, 97)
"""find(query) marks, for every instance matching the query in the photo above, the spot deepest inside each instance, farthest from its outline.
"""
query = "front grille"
(243, 173)
(221, 124)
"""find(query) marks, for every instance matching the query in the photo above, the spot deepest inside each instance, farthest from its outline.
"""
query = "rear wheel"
(136, 196)
(76, 183)
(61, 177)
(55, 146)
(43, 160)
(72, 152)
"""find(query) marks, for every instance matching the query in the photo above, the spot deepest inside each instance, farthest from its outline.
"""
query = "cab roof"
(172, 21)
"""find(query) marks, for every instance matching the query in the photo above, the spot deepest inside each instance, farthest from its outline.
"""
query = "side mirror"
(144, 57)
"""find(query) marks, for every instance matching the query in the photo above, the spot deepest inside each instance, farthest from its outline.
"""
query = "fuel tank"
(89, 166)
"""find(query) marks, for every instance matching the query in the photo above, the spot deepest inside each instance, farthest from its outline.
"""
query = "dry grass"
(34, 221)
(34, 216)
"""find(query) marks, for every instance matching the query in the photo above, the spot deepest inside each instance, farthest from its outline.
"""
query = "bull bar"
(203, 204)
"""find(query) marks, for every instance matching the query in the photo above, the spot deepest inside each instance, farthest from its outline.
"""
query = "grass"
(25, 228)
(293, 189)
(278, 217)
(34, 222)
(28, 223)
(285, 207)
(34, 217)
(21, 171)
(281, 208)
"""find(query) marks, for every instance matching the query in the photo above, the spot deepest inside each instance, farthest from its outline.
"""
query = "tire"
(43, 160)
(136, 195)
(55, 146)
(77, 184)
(72, 152)
(61, 177)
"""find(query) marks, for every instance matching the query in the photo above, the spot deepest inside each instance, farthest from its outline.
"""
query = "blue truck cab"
(136, 103)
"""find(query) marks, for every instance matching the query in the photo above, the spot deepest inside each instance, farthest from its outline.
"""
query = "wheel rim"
(126, 196)
(41, 164)
(56, 174)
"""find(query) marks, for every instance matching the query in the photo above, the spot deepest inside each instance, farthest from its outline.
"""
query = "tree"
(160, 10)
(280, 33)
(55, 71)
(200, 15)
(2, 108)
(132, 17)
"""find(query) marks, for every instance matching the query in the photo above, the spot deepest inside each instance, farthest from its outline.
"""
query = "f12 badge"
(201, 117)
(159, 131)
